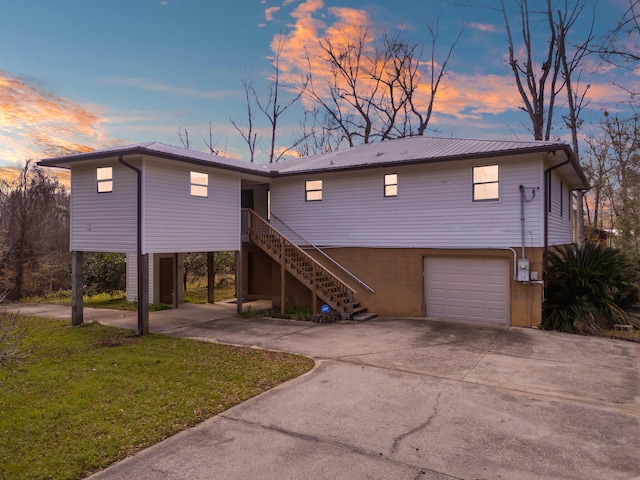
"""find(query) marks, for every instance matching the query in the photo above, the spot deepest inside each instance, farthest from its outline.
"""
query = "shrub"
(589, 289)
(104, 272)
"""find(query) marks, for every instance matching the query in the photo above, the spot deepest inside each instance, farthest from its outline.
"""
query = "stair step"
(364, 317)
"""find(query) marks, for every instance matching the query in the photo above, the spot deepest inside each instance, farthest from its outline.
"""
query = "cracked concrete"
(408, 399)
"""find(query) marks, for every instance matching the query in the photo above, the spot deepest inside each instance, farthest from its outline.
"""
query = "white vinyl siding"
(154, 277)
(560, 223)
(435, 208)
(177, 222)
(103, 222)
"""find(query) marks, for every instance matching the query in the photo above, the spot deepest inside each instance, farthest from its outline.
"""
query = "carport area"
(396, 398)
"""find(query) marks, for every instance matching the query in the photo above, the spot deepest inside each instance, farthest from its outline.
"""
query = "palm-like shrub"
(589, 288)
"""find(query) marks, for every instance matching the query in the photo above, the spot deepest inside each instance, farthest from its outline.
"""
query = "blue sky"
(80, 74)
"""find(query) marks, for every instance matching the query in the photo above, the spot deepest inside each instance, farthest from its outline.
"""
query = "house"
(421, 226)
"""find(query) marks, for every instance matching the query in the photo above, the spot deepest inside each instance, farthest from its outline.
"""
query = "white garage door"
(468, 288)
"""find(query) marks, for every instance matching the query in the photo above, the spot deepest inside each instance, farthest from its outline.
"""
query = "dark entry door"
(166, 281)
(246, 199)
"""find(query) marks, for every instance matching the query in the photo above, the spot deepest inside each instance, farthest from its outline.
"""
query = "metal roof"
(410, 150)
(160, 150)
(404, 151)
(414, 150)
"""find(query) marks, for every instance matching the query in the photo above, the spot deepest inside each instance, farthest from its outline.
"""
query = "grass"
(92, 395)
(115, 300)
(118, 300)
(199, 294)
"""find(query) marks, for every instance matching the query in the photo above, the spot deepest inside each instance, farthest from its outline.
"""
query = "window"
(391, 185)
(313, 190)
(104, 176)
(486, 184)
(199, 184)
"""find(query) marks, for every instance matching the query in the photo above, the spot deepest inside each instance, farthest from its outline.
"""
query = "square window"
(391, 185)
(486, 183)
(104, 177)
(199, 184)
(313, 190)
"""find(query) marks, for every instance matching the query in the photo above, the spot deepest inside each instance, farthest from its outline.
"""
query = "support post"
(580, 219)
(211, 274)
(176, 282)
(283, 272)
(143, 294)
(239, 281)
(77, 305)
(314, 290)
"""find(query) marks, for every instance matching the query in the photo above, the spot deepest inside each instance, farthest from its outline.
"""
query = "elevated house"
(421, 226)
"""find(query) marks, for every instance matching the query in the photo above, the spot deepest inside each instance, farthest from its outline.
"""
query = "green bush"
(589, 289)
(104, 272)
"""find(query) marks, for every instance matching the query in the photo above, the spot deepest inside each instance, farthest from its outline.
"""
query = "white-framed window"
(104, 179)
(486, 183)
(199, 184)
(313, 190)
(391, 185)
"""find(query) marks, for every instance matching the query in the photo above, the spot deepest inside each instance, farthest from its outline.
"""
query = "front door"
(166, 281)
(246, 199)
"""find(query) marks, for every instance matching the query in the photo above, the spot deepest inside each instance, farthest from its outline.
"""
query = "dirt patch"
(116, 341)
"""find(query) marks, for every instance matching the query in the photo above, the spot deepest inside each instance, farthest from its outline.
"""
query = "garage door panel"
(468, 288)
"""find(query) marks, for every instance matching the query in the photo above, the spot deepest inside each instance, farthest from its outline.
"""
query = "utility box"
(523, 270)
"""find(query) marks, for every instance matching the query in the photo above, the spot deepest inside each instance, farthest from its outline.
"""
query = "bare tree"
(598, 169)
(317, 134)
(353, 86)
(411, 76)
(272, 108)
(211, 145)
(623, 139)
(535, 80)
(248, 133)
(183, 135)
(621, 45)
(34, 223)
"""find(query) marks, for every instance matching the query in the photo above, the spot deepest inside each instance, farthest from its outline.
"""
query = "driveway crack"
(423, 425)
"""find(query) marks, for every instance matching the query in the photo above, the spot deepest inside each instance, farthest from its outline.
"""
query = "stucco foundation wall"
(396, 276)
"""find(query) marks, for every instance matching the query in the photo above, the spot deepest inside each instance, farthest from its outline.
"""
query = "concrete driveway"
(410, 399)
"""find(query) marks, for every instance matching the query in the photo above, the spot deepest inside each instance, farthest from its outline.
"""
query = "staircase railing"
(299, 263)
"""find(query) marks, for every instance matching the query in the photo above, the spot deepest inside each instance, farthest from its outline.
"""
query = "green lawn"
(95, 394)
(118, 300)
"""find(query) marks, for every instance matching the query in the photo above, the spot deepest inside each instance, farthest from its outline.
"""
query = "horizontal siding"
(560, 222)
(434, 207)
(174, 221)
(132, 277)
(104, 222)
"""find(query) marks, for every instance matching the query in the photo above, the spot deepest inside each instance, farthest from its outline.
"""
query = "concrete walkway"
(407, 399)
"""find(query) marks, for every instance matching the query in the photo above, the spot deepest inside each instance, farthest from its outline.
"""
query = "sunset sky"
(77, 75)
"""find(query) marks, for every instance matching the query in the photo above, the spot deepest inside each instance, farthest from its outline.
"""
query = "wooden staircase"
(322, 283)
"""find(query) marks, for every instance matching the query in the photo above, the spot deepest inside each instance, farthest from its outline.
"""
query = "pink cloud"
(46, 123)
